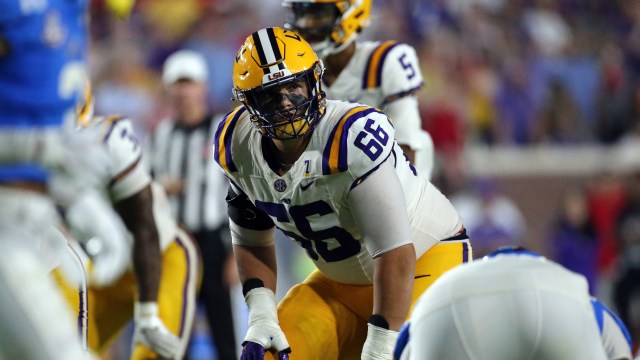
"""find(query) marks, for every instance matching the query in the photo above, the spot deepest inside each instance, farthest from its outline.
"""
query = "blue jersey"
(42, 68)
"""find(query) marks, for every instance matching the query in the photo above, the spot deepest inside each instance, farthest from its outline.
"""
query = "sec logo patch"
(280, 185)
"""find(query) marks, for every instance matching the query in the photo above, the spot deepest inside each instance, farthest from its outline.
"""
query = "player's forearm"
(147, 263)
(256, 262)
(137, 214)
(393, 285)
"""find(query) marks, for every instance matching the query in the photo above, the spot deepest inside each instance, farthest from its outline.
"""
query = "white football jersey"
(129, 176)
(309, 203)
(375, 72)
(378, 71)
(502, 307)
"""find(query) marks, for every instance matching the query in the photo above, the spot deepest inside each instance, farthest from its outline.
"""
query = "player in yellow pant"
(111, 308)
(313, 335)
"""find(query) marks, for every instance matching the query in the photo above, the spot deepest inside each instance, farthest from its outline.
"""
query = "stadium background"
(533, 107)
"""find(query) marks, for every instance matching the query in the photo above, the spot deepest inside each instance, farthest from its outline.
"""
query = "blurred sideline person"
(329, 175)
(42, 64)
(385, 75)
(159, 292)
(512, 304)
(181, 161)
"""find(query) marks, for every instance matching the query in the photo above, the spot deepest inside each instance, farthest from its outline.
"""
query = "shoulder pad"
(362, 130)
(373, 71)
(223, 139)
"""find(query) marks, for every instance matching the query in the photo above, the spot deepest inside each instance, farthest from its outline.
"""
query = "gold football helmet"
(328, 25)
(270, 63)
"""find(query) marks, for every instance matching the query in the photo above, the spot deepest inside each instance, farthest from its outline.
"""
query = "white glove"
(264, 328)
(379, 344)
(150, 331)
(93, 222)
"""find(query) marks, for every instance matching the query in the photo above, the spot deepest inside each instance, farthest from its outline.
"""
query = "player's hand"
(93, 223)
(379, 344)
(150, 331)
(264, 330)
(255, 351)
(264, 336)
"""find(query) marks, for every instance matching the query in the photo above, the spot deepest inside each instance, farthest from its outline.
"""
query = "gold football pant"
(323, 319)
(111, 308)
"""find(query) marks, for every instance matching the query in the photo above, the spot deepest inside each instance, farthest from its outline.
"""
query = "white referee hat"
(185, 65)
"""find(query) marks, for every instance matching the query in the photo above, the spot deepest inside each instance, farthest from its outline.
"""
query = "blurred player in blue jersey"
(512, 304)
(42, 72)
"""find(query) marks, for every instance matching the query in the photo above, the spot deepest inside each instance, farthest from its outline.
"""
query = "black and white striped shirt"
(186, 153)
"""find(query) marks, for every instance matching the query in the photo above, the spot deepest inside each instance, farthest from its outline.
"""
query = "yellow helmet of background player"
(270, 59)
(344, 20)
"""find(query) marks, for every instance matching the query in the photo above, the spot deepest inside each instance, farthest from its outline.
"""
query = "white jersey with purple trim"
(129, 176)
(378, 72)
(310, 202)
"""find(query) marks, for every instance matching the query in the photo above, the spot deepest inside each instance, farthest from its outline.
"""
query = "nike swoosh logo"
(421, 276)
(304, 187)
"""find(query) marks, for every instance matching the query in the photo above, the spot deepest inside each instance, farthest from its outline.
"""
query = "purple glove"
(255, 351)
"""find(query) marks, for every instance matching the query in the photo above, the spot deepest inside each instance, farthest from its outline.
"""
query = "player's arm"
(137, 213)
(387, 238)
(401, 79)
(252, 234)
(380, 197)
(130, 190)
(404, 108)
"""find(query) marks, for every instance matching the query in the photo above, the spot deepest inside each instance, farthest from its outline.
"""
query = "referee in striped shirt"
(181, 161)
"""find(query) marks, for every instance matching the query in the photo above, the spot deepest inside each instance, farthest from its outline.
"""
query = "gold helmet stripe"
(268, 51)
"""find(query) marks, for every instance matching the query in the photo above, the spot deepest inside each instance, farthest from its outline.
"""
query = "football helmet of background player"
(120, 8)
(328, 25)
(271, 59)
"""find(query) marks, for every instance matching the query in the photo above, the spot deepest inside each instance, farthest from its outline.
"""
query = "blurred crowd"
(496, 71)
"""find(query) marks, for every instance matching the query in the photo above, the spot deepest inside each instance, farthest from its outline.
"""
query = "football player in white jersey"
(512, 304)
(382, 74)
(165, 261)
(331, 177)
